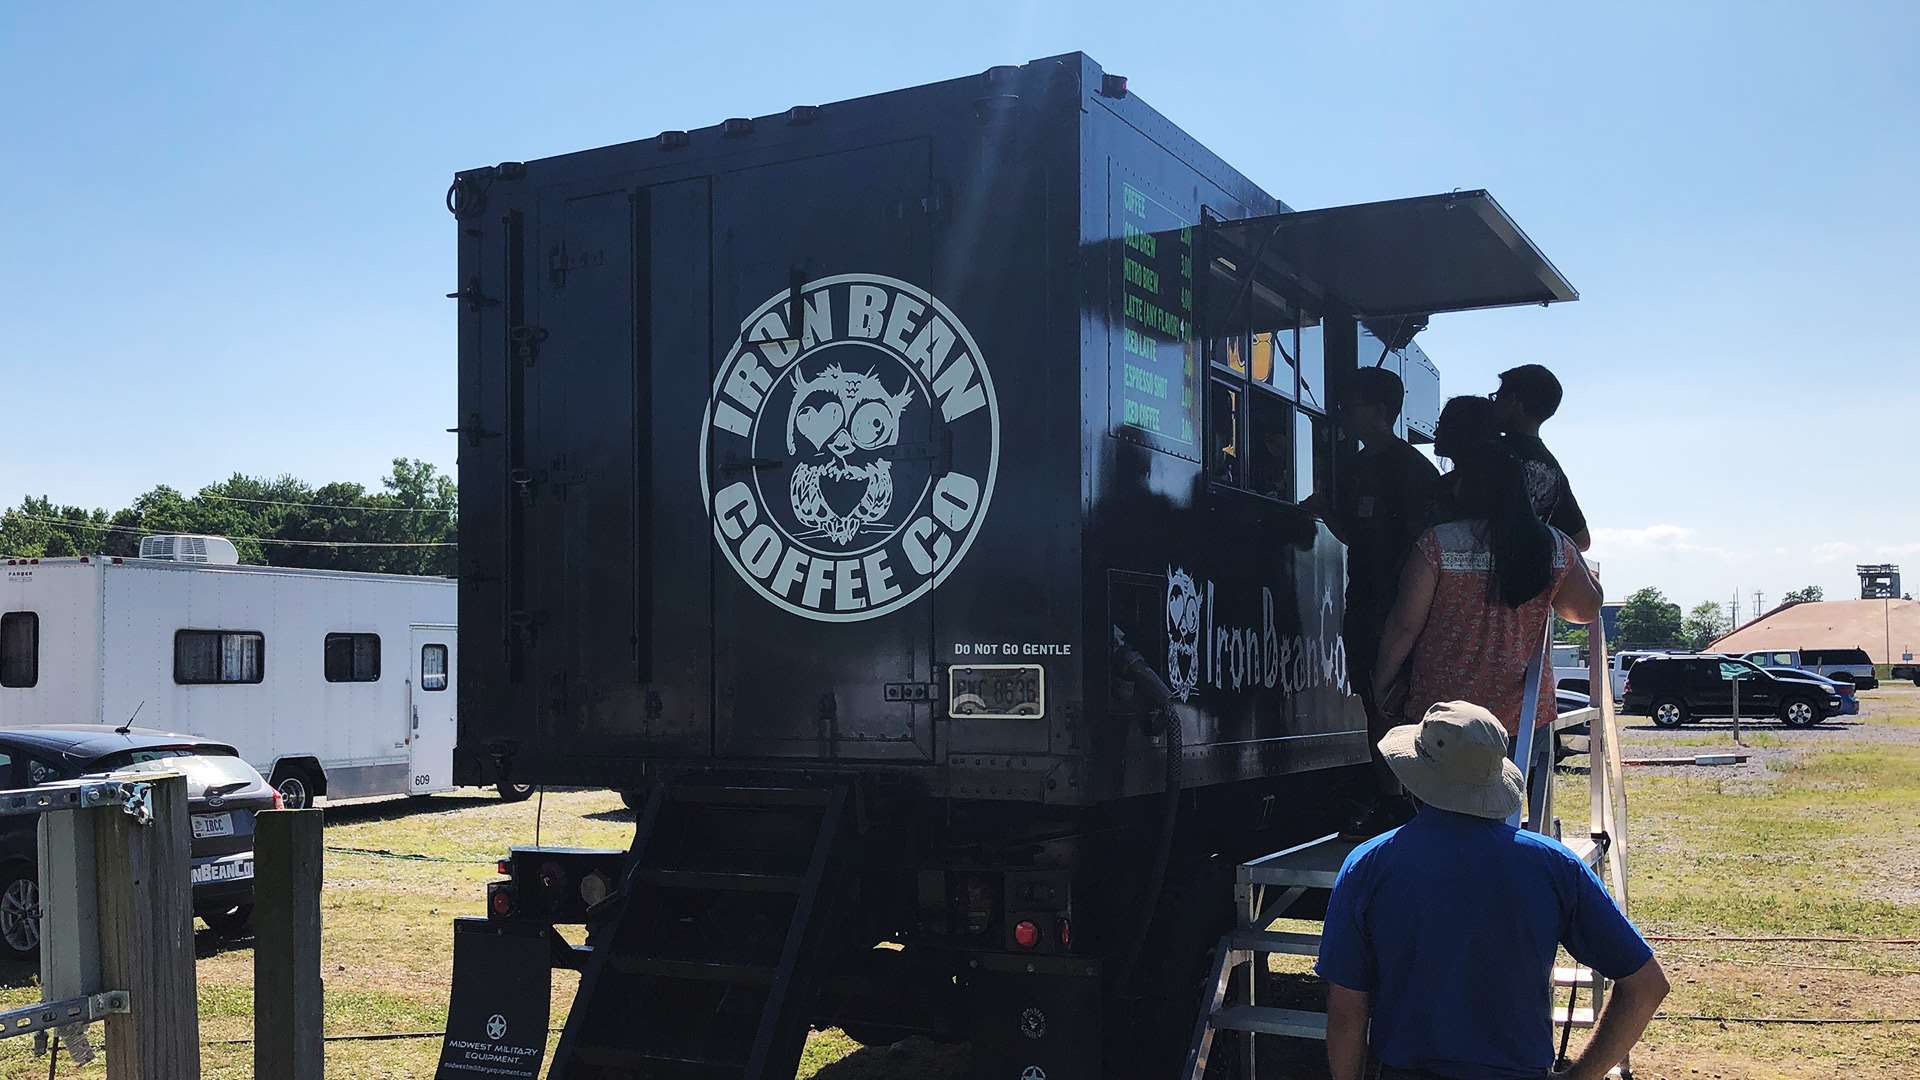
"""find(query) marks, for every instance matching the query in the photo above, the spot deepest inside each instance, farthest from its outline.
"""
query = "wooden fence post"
(287, 994)
(69, 906)
(146, 936)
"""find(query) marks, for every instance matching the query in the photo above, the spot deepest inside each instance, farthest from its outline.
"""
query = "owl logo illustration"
(1183, 633)
(843, 420)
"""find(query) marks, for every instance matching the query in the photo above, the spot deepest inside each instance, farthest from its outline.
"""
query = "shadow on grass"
(15, 974)
(921, 1059)
(358, 813)
(207, 944)
(1763, 723)
(613, 815)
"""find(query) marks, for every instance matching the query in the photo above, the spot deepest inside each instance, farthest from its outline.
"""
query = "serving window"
(1266, 423)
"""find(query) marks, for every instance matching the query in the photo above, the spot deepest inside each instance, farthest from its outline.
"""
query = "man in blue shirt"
(1443, 932)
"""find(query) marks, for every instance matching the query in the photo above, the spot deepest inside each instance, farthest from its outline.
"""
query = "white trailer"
(329, 682)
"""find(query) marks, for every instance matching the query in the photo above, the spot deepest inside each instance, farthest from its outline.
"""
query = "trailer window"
(1311, 363)
(19, 649)
(1272, 448)
(1223, 433)
(433, 667)
(218, 656)
(1312, 454)
(352, 657)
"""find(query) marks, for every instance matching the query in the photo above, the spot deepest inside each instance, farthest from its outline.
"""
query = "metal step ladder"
(1265, 889)
(713, 952)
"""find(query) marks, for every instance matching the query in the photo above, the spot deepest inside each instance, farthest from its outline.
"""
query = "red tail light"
(503, 867)
(1065, 928)
(278, 802)
(501, 901)
(1026, 934)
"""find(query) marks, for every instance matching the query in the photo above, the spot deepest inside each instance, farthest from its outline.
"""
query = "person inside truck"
(1454, 982)
(1478, 589)
(1379, 513)
(1529, 395)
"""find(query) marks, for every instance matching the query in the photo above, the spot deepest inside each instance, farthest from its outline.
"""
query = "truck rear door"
(608, 567)
(819, 457)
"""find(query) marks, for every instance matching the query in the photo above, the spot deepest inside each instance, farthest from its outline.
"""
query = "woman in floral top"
(1479, 587)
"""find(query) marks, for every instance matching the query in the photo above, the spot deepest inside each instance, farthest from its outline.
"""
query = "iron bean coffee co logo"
(849, 460)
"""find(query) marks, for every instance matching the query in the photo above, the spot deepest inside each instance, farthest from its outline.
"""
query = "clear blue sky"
(225, 247)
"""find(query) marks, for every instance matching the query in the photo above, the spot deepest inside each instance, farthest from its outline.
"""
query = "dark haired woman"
(1478, 588)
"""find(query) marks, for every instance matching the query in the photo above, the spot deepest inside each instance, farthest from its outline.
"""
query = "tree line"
(1648, 620)
(408, 526)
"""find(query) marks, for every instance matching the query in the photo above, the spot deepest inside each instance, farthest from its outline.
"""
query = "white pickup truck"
(1570, 670)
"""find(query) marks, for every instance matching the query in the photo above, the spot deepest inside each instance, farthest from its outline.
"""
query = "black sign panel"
(497, 1020)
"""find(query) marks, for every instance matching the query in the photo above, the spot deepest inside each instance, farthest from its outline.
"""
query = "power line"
(254, 539)
(326, 506)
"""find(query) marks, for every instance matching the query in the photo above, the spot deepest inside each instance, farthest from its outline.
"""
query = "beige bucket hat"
(1455, 759)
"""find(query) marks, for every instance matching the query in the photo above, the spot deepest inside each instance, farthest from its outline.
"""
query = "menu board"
(1155, 362)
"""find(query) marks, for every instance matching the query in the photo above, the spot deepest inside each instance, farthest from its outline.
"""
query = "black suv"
(1677, 688)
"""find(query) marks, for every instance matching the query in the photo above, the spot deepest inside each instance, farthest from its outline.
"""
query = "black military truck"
(898, 501)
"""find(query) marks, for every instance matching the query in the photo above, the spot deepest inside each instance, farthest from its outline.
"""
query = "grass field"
(1818, 835)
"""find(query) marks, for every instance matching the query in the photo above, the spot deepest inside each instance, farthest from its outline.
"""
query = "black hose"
(1566, 1031)
(1130, 664)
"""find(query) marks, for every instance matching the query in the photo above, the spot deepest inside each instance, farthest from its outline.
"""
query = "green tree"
(1812, 594)
(1648, 620)
(407, 527)
(1703, 625)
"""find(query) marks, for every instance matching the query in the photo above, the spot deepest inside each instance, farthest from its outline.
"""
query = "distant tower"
(1880, 582)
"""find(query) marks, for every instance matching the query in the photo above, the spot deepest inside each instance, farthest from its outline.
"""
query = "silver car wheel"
(20, 915)
(293, 792)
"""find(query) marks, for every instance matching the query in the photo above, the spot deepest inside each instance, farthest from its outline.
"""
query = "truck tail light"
(278, 802)
(500, 900)
(1064, 928)
(503, 867)
(1026, 934)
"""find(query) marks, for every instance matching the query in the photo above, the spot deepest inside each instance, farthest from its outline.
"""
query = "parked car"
(1849, 694)
(1678, 688)
(223, 794)
(1566, 701)
(1575, 677)
(1850, 664)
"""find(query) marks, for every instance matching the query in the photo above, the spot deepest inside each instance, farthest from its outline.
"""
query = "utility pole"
(1758, 607)
(1733, 609)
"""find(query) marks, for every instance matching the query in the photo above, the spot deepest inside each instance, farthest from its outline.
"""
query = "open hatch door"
(1389, 263)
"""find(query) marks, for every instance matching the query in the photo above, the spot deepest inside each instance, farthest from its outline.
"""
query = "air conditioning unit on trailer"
(194, 549)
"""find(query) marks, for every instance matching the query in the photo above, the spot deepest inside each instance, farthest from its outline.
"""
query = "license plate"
(205, 825)
(996, 691)
(239, 870)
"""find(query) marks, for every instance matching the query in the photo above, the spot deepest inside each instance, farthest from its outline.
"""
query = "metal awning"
(1403, 257)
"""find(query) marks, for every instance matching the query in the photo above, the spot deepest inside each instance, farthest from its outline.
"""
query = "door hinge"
(471, 295)
(473, 430)
(523, 625)
(934, 202)
(526, 343)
